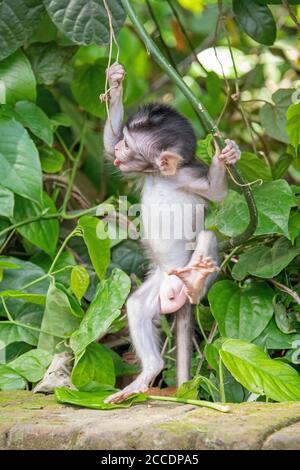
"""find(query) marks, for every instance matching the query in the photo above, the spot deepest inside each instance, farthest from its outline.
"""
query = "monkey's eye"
(125, 144)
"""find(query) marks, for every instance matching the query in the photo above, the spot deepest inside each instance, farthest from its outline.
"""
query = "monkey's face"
(129, 153)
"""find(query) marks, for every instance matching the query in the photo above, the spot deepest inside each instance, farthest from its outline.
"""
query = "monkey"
(157, 145)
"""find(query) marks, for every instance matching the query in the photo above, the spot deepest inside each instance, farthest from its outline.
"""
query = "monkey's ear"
(168, 163)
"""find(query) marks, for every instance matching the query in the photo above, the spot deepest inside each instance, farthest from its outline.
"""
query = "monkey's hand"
(115, 75)
(230, 154)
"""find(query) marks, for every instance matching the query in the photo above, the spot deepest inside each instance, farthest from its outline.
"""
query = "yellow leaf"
(196, 6)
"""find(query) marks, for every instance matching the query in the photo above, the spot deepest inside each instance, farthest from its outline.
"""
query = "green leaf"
(17, 22)
(121, 367)
(273, 338)
(276, 2)
(58, 320)
(273, 217)
(293, 124)
(283, 320)
(6, 202)
(87, 85)
(97, 243)
(76, 309)
(254, 168)
(104, 309)
(80, 281)
(42, 233)
(32, 365)
(241, 312)
(33, 117)
(52, 160)
(264, 261)
(212, 352)
(11, 333)
(10, 380)
(281, 166)
(50, 62)
(95, 365)
(85, 22)
(273, 117)
(38, 299)
(250, 366)
(205, 149)
(256, 20)
(19, 161)
(18, 78)
(95, 400)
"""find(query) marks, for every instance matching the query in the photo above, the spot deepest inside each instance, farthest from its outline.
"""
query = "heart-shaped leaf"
(273, 116)
(80, 280)
(241, 312)
(17, 76)
(32, 365)
(10, 380)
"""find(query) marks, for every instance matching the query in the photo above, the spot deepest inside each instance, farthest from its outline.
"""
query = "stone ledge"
(30, 421)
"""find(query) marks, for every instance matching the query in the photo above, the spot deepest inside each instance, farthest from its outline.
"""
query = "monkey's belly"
(171, 220)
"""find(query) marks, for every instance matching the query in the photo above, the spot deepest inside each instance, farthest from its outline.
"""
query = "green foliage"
(63, 282)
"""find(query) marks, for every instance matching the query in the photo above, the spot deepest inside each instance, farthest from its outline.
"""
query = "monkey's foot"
(194, 275)
(139, 385)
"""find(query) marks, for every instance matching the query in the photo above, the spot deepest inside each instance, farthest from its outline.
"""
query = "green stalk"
(206, 404)
(205, 118)
(72, 234)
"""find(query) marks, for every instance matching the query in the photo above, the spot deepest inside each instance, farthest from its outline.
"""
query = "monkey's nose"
(117, 162)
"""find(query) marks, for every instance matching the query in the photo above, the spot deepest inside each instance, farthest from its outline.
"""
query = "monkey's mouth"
(117, 162)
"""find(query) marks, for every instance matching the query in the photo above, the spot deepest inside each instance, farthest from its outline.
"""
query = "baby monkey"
(158, 145)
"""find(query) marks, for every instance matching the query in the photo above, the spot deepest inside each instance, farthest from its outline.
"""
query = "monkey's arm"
(214, 186)
(114, 123)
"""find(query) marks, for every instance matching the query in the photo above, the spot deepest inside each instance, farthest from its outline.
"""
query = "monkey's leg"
(142, 309)
(202, 269)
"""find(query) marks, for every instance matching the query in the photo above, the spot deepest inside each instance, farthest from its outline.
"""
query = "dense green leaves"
(42, 233)
(263, 261)
(258, 373)
(20, 165)
(272, 216)
(18, 18)
(256, 20)
(97, 243)
(104, 309)
(241, 312)
(18, 79)
(96, 365)
(85, 22)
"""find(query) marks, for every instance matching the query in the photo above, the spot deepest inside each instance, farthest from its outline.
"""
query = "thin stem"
(205, 118)
(65, 148)
(200, 324)
(74, 171)
(6, 310)
(291, 13)
(228, 257)
(40, 279)
(221, 380)
(33, 328)
(72, 234)
(286, 289)
(166, 49)
(206, 404)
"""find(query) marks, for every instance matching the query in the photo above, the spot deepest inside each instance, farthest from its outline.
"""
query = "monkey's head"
(155, 139)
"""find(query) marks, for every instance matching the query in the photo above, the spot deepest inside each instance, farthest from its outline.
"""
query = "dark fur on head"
(169, 129)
